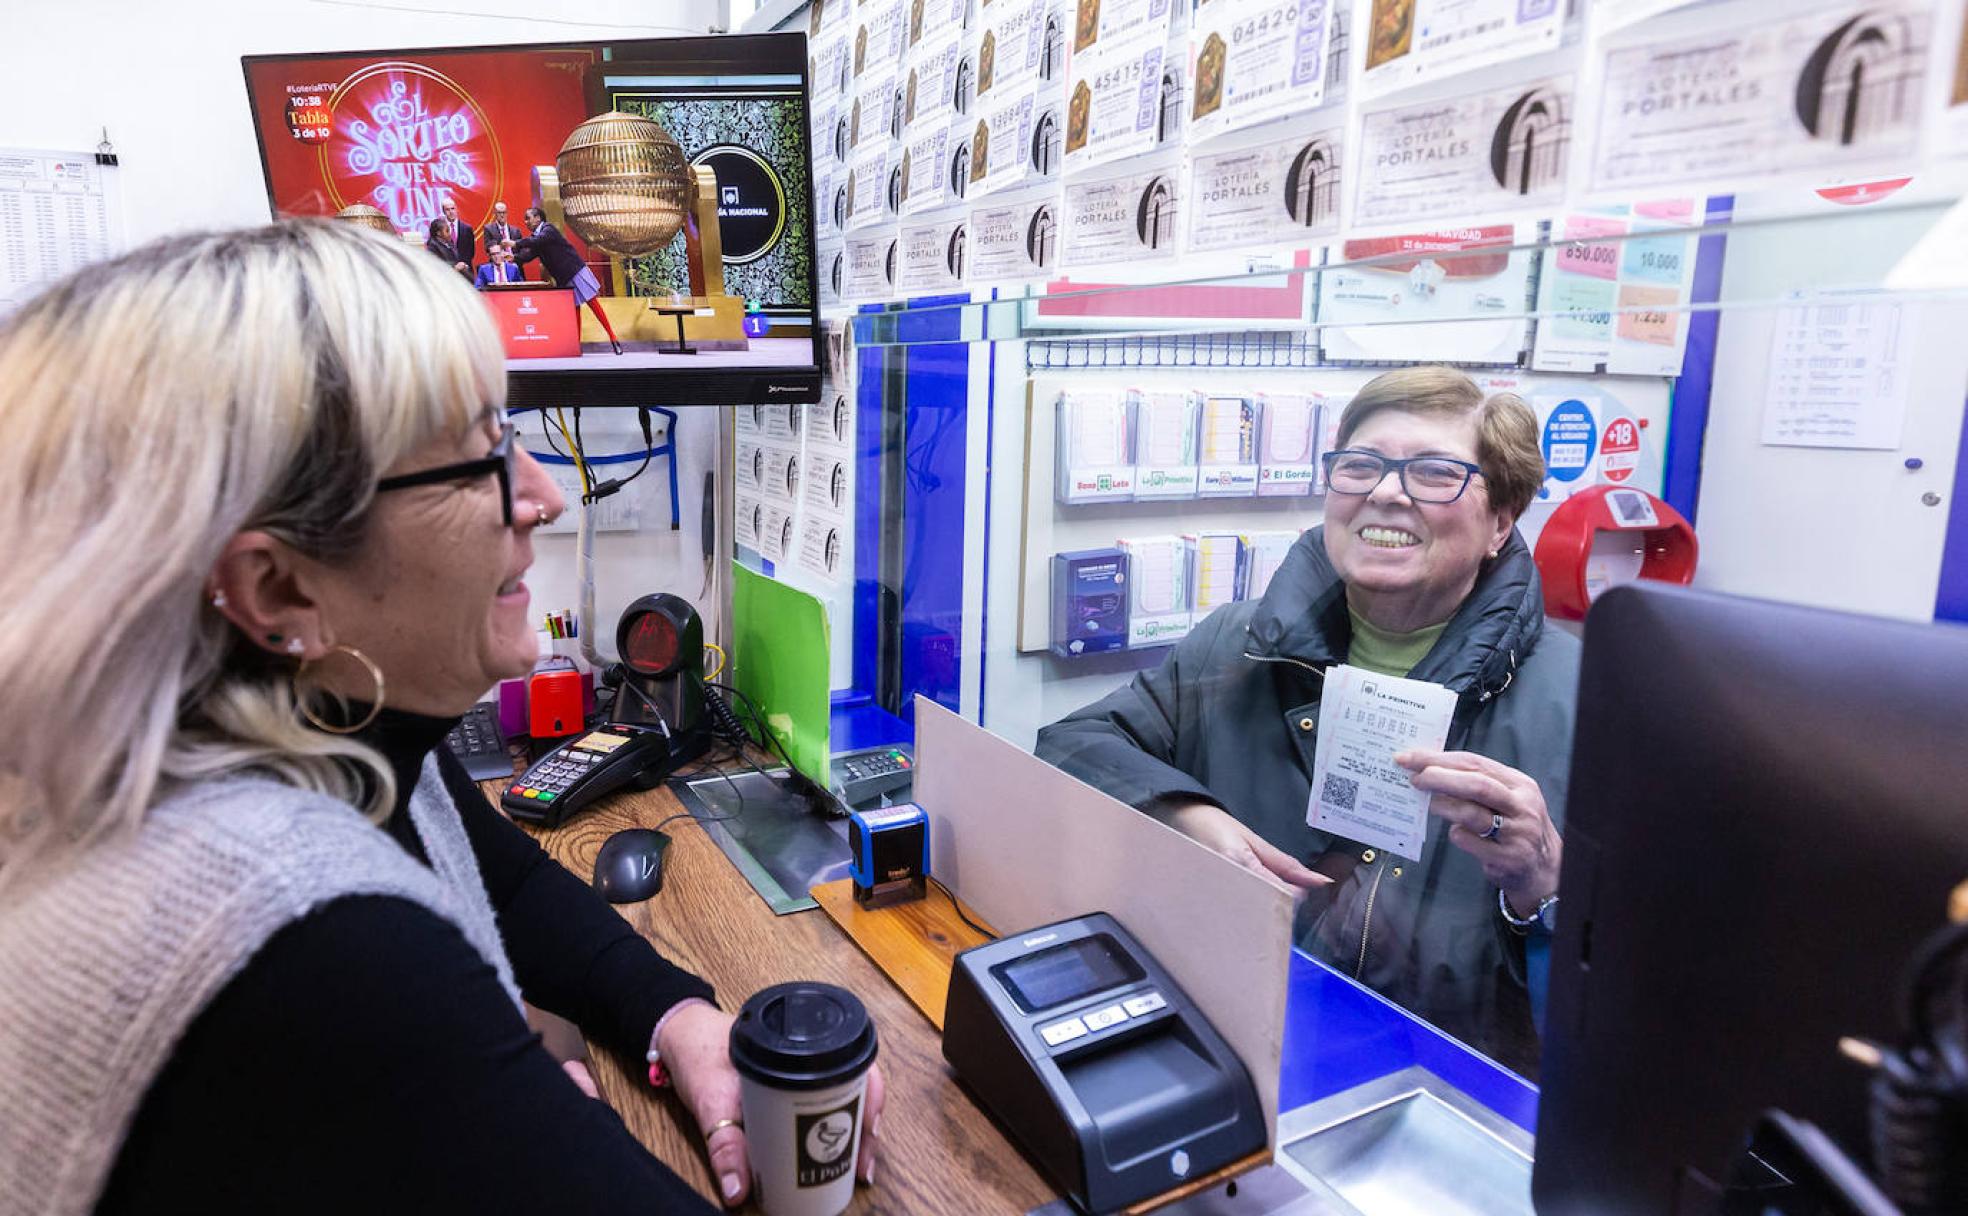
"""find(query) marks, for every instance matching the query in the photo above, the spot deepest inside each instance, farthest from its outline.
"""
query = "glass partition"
(1178, 495)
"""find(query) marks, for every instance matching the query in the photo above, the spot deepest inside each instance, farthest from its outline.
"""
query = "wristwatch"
(1545, 917)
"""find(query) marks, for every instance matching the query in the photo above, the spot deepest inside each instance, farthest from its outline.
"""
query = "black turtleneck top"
(367, 1059)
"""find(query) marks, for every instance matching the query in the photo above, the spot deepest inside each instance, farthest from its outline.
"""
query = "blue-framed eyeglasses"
(499, 460)
(1431, 479)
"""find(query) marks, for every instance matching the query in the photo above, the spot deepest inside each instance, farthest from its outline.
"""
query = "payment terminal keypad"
(576, 773)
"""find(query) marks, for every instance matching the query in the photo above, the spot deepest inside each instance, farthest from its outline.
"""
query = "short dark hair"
(437, 228)
(533, 211)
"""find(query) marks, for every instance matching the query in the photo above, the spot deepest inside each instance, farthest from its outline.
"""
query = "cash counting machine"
(1094, 1060)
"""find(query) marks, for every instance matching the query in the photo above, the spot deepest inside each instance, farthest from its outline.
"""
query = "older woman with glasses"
(263, 945)
(1418, 571)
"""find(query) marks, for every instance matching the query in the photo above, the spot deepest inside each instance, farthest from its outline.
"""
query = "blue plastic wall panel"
(1951, 602)
(936, 412)
(1688, 416)
(870, 366)
(1339, 1034)
(855, 723)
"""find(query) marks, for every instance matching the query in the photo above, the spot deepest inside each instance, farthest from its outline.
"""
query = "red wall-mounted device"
(1608, 535)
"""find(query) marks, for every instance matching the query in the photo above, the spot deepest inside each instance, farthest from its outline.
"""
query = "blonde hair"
(1506, 429)
(153, 407)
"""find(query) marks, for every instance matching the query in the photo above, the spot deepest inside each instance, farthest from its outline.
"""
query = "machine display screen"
(1067, 972)
(701, 267)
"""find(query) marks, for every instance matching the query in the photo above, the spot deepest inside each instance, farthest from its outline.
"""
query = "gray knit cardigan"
(106, 962)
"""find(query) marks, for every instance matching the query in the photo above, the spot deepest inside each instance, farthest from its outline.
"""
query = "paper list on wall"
(58, 212)
(1839, 373)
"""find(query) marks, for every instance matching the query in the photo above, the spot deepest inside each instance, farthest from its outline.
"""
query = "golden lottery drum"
(624, 184)
(362, 215)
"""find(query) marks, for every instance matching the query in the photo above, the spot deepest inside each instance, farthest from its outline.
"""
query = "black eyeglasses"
(499, 460)
(1430, 479)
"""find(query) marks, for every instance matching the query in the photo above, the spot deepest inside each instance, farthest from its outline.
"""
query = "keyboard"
(477, 744)
(861, 777)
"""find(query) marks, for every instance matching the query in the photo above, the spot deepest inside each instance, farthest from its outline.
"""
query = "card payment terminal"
(596, 762)
(1111, 1079)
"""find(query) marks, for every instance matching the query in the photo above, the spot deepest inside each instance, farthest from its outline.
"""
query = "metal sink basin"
(1408, 1142)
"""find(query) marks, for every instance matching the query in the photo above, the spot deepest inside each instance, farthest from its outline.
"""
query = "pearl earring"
(295, 646)
(218, 599)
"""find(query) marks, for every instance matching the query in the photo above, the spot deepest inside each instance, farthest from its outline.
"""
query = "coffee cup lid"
(802, 1035)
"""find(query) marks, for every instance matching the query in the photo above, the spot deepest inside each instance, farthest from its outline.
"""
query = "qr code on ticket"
(1340, 793)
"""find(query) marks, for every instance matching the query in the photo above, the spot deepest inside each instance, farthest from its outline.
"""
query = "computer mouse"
(629, 868)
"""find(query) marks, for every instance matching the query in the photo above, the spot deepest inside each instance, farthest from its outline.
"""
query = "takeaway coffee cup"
(802, 1052)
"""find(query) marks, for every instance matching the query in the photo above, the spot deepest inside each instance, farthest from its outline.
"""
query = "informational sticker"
(1619, 450)
(925, 171)
(1457, 295)
(1411, 42)
(1834, 93)
(1015, 240)
(929, 86)
(1358, 792)
(871, 266)
(1283, 191)
(1569, 439)
(1255, 60)
(1488, 153)
(1613, 300)
(1122, 218)
(1115, 101)
(1000, 154)
(1010, 50)
(933, 256)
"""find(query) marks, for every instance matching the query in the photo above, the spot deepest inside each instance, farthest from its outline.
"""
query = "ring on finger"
(1496, 825)
(721, 1124)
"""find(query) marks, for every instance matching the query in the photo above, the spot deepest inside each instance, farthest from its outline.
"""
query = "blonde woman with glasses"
(262, 944)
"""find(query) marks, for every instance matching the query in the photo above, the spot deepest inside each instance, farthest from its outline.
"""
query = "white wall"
(165, 79)
(1839, 529)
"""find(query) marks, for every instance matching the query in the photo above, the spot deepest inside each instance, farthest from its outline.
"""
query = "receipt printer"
(1105, 1073)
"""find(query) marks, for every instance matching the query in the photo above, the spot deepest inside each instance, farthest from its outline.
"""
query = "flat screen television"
(606, 311)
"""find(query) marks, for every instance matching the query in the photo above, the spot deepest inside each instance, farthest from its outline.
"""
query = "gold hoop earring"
(314, 719)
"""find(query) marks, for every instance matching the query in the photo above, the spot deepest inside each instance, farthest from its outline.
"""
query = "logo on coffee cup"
(824, 1140)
